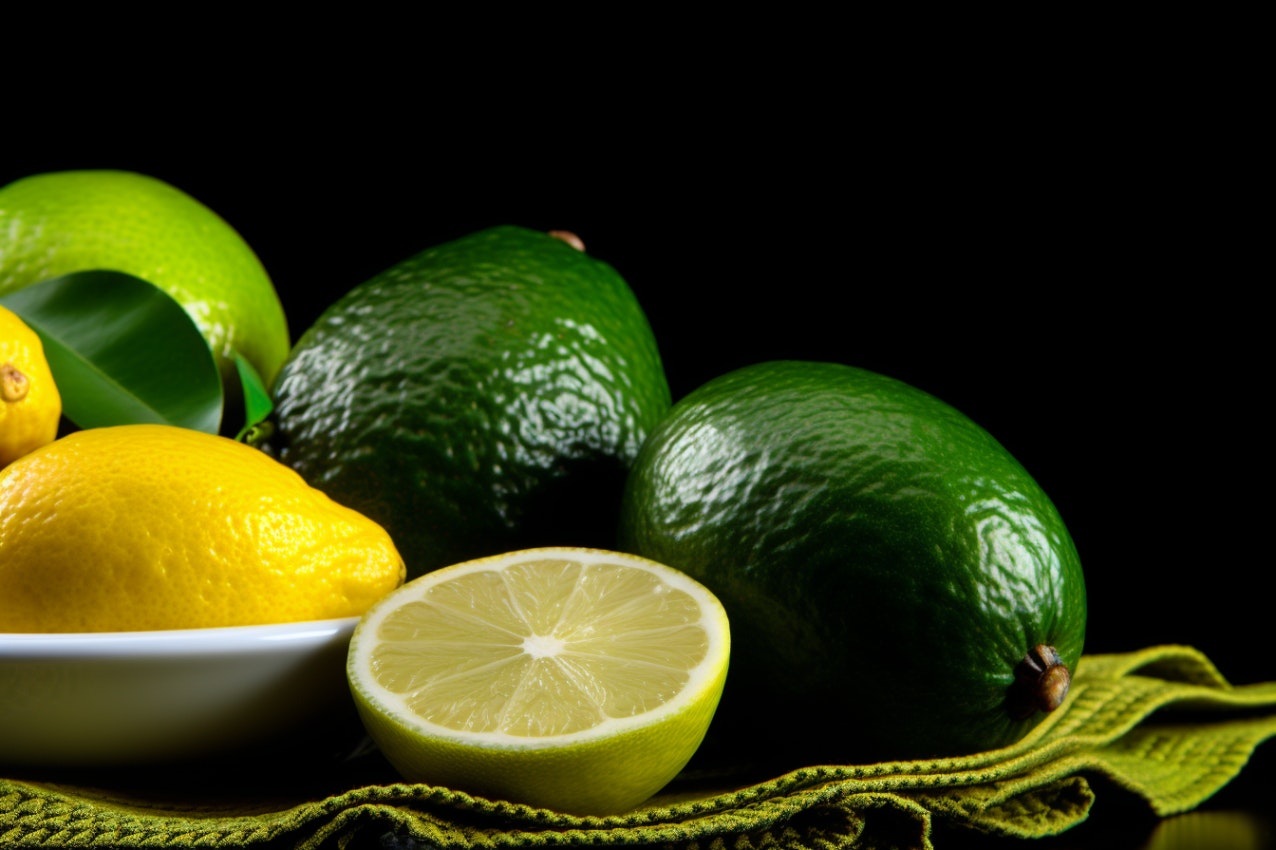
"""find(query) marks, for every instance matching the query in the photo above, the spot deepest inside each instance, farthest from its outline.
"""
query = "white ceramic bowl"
(121, 698)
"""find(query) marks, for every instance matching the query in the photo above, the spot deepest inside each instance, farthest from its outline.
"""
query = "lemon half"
(572, 679)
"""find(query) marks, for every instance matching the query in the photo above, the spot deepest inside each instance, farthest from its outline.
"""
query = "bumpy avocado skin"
(485, 395)
(884, 562)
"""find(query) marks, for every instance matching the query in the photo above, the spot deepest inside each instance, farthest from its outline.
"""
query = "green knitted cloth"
(1203, 732)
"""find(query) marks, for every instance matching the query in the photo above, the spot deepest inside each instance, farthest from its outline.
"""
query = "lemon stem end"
(14, 385)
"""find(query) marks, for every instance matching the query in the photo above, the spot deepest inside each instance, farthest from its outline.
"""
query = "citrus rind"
(60, 222)
(606, 767)
(30, 402)
(153, 527)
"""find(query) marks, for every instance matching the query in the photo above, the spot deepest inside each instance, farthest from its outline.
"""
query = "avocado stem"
(570, 238)
(1041, 683)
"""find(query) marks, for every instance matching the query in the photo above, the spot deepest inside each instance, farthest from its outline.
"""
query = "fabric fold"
(1161, 724)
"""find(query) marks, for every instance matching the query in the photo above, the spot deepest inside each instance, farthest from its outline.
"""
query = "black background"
(1066, 264)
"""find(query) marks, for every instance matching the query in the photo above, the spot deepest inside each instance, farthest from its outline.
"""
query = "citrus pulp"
(573, 679)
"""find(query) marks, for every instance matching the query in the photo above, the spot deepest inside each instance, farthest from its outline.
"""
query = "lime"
(60, 222)
(572, 679)
(483, 396)
(143, 527)
(898, 585)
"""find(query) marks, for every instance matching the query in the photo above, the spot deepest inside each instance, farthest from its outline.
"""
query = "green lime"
(485, 395)
(576, 679)
(67, 221)
(898, 585)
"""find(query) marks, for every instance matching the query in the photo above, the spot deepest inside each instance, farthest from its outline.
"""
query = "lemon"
(140, 527)
(67, 221)
(574, 679)
(30, 405)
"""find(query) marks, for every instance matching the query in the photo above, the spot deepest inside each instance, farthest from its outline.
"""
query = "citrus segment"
(575, 679)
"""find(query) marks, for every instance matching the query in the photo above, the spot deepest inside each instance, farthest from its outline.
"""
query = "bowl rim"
(165, 643)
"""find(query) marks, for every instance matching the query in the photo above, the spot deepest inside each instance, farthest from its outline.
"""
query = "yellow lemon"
(30, 405)
(140, 527)
(573, 679)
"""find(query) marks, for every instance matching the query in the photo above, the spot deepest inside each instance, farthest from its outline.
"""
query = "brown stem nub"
(1041, 683)
(14, 385)
(570, 238)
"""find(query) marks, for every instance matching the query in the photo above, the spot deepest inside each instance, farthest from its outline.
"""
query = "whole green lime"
(61, 222)
(485, 395)
(898, 585)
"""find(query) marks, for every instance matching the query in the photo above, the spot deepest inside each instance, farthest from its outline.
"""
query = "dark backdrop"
(1076, 287)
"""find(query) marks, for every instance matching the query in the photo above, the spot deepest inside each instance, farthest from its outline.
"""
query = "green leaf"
(257, 402)
(122, 351)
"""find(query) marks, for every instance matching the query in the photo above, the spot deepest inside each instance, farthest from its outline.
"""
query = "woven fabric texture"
(1160, 723)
